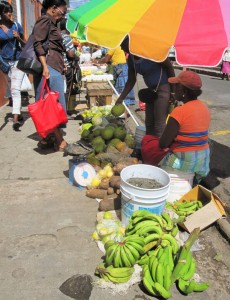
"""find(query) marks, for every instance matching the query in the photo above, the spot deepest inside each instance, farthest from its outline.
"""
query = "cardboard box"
(212, 210)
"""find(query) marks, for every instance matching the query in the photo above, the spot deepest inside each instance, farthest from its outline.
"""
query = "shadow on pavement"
(219, 164)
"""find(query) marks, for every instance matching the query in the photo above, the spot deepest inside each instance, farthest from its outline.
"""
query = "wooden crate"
(98, 93)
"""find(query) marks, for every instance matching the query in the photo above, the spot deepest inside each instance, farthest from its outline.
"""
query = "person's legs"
(56, 83)
(156, 111)
(161, 109)
(16, 77)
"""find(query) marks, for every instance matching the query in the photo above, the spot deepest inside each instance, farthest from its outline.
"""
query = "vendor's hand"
(119, 101)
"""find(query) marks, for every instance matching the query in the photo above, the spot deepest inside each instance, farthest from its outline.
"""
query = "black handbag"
(28, 61)
(148, 95)
(4, 66)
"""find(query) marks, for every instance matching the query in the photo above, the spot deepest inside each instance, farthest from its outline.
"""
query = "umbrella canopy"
(199, 30)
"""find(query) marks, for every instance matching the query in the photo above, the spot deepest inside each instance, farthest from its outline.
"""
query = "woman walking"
(45, 29)
(225, 69)
(11, 40)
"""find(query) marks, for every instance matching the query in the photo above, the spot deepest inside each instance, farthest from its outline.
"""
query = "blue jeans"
(56, 83)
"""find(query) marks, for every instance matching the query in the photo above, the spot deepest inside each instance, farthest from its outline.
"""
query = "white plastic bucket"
(135, 198)
(180, 184)
(139, 134)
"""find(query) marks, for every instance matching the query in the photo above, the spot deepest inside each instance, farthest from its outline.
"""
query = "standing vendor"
(120, 71)
(184, 143)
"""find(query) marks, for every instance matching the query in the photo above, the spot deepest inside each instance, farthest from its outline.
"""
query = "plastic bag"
(47, 113)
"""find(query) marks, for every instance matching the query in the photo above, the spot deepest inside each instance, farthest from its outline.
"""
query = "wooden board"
(98, 89)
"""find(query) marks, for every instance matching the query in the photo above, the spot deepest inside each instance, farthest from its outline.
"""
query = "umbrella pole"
(126, 107)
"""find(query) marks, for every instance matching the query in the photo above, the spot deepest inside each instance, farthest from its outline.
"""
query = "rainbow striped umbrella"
(199, 30)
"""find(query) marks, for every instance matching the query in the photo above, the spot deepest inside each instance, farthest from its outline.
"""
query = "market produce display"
(184, 208)
(108, 229)
(115, 275)
(150, 241)
(106, 133)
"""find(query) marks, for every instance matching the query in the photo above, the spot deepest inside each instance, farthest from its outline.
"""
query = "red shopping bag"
(47, 113)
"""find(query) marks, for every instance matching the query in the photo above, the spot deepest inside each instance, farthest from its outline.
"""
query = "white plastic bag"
(26, 84)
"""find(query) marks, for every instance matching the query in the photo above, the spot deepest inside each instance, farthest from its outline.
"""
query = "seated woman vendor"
(184, 142)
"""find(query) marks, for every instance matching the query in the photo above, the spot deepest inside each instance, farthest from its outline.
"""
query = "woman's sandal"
(60, 148)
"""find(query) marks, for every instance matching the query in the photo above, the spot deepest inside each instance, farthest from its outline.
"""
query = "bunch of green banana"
(156, 278)
(125, 253)
(115, 275)
(185, 268)
(184, 208)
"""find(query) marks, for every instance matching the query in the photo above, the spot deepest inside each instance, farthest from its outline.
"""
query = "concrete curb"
(224, 228)
(210, 72)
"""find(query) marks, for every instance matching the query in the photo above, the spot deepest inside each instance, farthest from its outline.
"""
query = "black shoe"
(16, 126)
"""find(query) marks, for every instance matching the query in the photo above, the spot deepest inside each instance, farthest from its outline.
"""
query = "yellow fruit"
(107, 215)
(95, 236)
(102, 173)
(109, 174)
(96, 182)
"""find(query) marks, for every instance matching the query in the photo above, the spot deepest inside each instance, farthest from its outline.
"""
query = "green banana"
(157, 218)
(200, 287)
(170, 257)
(148, 282)
(137, 220)
(165, 243)
(149, 229)
(98, 268)
(151, 260)
(186, 266)
(168, 221)
(144, 260)
(153, 269)
(191, 271)
(160, 252)
(160, 273)
(145, 223)
(152, 237)
(175, 230)
(162, 291)
(117, 279)
(183, 254)
(105, 277)
(167, 277)
(117, 257)
(200, 204)
(140, 213)
(120, 272)
(172, 240)
(133, 247)
(185, 204)
(149, 246)
(137, 246)
(190, 287)
(124, 258)
(129, 255)
(135, 239)
(109, 243)
(163, 257)
(183, 285)
(110, 254)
